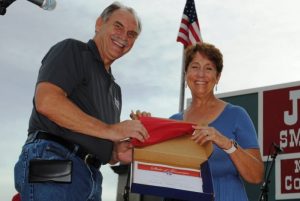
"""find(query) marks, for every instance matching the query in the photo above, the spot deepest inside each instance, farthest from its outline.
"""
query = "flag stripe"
(183, 31)
(193, 29)
(189, 30)
(182, 37)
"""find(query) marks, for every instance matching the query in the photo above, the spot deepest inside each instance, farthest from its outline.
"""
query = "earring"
(185, 84)
(216, 87)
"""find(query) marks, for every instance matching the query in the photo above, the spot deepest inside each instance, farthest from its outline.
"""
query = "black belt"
(88, 158)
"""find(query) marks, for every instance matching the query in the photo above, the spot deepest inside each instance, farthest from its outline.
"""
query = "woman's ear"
(185, 80)
(218, 78)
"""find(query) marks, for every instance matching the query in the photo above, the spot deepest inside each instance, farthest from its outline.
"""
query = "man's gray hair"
(107, 12)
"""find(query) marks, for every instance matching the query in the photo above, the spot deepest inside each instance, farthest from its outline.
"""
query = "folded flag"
(161, 129)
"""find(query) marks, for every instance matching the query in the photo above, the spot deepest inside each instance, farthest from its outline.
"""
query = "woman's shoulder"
(235, 109)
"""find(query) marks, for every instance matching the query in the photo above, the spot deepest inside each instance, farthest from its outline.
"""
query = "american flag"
(189, 31)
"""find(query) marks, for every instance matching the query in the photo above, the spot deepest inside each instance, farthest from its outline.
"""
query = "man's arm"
(52, 102)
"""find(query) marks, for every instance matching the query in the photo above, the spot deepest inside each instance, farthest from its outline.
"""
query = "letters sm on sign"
(281, 119)
(288, 182)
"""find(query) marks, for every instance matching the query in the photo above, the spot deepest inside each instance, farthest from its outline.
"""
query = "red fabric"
(161, 129)
(17, 197)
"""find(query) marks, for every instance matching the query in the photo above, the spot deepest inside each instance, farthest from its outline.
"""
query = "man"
(74, 126)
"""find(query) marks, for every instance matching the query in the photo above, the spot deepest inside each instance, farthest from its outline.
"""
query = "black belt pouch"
(50, 171)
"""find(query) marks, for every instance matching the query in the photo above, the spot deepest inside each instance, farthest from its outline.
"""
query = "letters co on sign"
(280, 114)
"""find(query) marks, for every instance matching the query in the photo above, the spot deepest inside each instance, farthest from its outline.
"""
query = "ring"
(206, 133)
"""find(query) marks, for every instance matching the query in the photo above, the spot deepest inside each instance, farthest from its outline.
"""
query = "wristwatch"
(233, 148)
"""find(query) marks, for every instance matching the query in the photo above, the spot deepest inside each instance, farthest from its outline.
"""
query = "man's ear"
(99, 23)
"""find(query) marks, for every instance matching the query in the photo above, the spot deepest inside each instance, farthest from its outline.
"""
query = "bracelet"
(233, 148)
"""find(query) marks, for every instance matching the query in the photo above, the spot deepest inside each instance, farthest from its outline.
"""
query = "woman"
(236, 152)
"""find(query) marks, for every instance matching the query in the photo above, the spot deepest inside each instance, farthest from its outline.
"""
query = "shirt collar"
(93, 47)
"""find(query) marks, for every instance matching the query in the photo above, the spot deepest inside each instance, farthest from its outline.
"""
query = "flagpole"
(189, 34)
(182, 84)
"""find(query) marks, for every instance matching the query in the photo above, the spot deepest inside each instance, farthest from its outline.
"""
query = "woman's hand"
(247, 161)
(136, 115)
(203, 134)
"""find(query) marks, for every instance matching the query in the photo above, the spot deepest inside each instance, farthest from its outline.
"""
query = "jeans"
(86, 180)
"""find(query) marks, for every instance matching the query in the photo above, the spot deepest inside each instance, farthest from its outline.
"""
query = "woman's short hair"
(108, 11)
(207, 50)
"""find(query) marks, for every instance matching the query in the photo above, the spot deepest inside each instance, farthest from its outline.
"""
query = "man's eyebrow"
(130, 31)
(119, 23)
(134, 33)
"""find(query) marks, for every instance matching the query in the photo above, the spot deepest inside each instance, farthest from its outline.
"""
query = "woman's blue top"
(235, 123)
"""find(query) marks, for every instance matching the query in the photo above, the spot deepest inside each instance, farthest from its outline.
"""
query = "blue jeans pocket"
(86, 181)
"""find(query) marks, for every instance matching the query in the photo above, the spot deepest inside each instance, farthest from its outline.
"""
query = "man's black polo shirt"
(77, 68)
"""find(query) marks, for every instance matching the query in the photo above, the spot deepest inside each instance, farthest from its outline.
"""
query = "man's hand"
(122, 153)
(127, 129)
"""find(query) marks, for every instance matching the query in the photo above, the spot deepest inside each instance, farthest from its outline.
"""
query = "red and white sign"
(281, 119)
(288, 177)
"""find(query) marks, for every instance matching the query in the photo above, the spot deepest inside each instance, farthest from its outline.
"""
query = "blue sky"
(259, 40)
